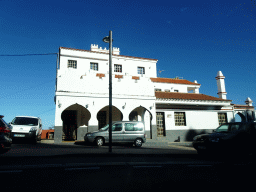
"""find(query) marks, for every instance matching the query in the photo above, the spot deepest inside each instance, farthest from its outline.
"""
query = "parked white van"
(27, 127)
(122, 132)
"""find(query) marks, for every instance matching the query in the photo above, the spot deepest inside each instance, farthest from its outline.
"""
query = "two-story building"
(171, 109)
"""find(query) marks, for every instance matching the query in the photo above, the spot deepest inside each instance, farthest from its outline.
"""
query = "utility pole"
(109, 40)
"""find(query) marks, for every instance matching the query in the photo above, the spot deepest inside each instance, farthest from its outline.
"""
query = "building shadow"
(192, 133)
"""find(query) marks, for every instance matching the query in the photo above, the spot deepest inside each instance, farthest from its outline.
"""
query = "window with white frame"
(72, 64)
(117, 68)
(141, 70)
(94, 66)
(180, 118)
(222, 117)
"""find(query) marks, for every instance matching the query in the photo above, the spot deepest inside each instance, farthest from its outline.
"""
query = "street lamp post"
(109, 40)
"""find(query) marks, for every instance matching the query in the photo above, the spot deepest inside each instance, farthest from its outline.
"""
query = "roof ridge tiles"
(186, 96)
(170, 80)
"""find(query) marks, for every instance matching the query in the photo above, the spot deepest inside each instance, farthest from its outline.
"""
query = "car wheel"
(39, 138)
(138, 143)
(34, 140)
(99, 141)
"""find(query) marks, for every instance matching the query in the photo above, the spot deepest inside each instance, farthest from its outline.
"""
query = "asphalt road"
(79, 167)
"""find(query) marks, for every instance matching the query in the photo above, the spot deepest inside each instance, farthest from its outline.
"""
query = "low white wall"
(194, 119)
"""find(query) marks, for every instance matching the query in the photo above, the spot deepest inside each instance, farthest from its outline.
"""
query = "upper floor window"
(117, 68)
(141, 70)
(72, 64)
(94, 66)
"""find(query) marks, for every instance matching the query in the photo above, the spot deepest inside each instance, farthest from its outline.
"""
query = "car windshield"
(222, 128)
(4, 121)
(105, 128)
(228, 128)
(25, 121)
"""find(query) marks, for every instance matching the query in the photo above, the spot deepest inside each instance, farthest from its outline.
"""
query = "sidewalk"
(148, 143)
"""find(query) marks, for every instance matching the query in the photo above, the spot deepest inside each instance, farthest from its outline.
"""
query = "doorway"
(160, 123)
(69, 118)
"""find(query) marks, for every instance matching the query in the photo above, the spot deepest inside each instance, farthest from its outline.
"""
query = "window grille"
(141, 70)
(222, 117)
(180, 119)
(72, 64)
(117, 68)
(94, 66)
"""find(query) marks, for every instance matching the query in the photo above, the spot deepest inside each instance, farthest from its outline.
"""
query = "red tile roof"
(107, 53)
(186, 96)
(243, 106)
(169, 80)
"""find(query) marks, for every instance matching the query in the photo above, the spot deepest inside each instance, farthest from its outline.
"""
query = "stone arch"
(141, 113)
(239, 117)
(103, 115)
(73, 117)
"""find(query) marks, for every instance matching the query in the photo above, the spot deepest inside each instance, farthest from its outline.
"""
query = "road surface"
(70, 167)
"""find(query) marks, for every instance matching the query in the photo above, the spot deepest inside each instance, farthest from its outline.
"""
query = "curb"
(150, 143)
(186, 144)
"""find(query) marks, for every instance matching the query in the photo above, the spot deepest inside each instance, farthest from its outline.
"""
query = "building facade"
(171, 109)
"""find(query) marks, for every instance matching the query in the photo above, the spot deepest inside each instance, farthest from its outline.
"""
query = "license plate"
(201, 147)
(19, 135)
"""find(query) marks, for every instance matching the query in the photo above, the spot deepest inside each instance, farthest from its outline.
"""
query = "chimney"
(248, 101)
(221, 85)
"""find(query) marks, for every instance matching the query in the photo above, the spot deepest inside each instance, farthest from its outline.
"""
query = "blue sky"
(190, 39)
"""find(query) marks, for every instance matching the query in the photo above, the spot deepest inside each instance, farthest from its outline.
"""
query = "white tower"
(221, 85)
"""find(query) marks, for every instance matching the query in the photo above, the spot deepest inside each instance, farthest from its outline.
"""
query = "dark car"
(5, 136)
(238, 138)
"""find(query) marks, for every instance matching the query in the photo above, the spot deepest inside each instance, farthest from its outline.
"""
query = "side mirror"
(213, 130)
(10, 123)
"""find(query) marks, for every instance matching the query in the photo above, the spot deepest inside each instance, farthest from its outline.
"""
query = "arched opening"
(103, 116)
(73, 117)
(239, 117)
(142, 114)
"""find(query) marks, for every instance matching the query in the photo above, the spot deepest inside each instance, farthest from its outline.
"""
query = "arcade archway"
(73, 117)
(142, 114)
(103, 116)
(239, 117)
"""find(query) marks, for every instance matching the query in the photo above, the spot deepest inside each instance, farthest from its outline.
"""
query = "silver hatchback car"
(122, 132)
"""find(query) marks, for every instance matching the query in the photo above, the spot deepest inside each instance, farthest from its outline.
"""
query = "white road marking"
(81, 168)
(147, 166)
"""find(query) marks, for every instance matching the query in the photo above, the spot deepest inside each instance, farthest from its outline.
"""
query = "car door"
(117, 132)
(129, 133)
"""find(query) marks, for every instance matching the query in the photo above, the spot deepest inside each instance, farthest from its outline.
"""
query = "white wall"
(194, 119)
(90, 83)
(129, 64)
(171, 87)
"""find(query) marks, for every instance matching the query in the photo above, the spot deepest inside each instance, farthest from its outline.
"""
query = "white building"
(172, 109)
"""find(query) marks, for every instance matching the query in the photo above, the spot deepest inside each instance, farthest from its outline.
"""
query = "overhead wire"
(34, 54)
